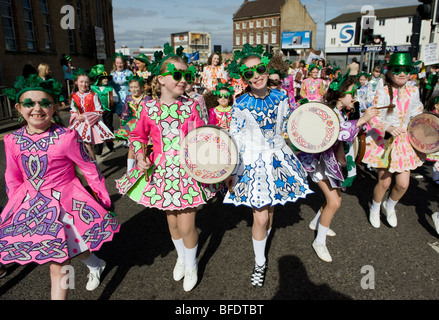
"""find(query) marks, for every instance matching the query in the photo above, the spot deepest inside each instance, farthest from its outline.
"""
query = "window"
(252, 24)
(258, 38)
(80, 23)
(410, 19)
(8, 25)
(265, 37)
(244, 38)
(238, 40)
(29, 25)
(273, 37)
(265, 22)
(273, 22)
(334, 26)
(408, 39)
(252, 38)
(237, 25)
(46, 25)
(258, 24)
(382, 22)
(332, 40)
(244, 25)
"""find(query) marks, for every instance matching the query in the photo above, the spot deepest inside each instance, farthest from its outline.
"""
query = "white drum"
(313, 127)
(209, 154)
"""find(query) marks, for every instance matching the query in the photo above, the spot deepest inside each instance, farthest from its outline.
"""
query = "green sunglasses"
(249, 73)
(406, 70)
(44, 103)
(352, 92)
(177, 75)
(224, 95)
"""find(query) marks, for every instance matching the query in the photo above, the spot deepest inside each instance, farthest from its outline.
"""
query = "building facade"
(193, 41)
(394, 25)
(265, 22)
(41, 31)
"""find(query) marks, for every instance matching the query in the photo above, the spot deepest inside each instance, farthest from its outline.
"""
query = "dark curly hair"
(209, 60)
(212, 100)
(332, 96)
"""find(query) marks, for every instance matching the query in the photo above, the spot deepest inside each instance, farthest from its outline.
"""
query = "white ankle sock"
(321, 234)
(375, 207)
(179, 246)
(259, 249)
(316, 219)
(130, 164)
(92, 262)
(190, 257)
(268, 232)
(391, 204)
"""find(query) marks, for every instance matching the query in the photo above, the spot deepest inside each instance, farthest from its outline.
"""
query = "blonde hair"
(156, 87)
(42, 69)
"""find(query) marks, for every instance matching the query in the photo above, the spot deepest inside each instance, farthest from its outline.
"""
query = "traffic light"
(425, 10)
(367, 36)
(367, 24)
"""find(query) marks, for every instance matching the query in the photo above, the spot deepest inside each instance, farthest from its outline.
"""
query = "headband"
(33, 83)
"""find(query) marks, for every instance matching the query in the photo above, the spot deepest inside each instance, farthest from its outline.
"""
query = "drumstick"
(144, 159)
(390, 106)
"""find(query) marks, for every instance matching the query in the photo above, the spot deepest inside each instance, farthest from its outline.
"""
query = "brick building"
(264, 22)
(40, 31)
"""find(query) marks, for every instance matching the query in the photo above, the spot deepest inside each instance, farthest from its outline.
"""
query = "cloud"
(126, 13)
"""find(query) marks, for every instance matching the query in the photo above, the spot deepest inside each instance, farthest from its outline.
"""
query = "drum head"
(423, 132)
(313, 127)
(209, 154)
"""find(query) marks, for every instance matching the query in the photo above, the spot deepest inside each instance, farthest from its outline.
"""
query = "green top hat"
(142, 57)
(98, 72)
(401, 59)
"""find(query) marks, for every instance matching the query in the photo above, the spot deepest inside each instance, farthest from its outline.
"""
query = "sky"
(150, 23)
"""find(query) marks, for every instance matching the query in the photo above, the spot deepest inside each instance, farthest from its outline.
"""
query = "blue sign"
(378, 49)
(346, 33)
(296, 40)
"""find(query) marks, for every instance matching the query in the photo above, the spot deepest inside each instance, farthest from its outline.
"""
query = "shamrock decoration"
(235, 68)
(162, 56)
(222, 86)
(33, 82)
(135, 78)
(336, 83)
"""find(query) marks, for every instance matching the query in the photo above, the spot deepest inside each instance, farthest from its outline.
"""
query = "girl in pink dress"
(221, 115)
(389, 150)
(50, 217)
(86, 114)
(313, 88)
(165, 185)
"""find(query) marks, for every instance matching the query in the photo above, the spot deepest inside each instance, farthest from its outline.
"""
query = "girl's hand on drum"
(230, 182)
(141, 163)
(396, 131)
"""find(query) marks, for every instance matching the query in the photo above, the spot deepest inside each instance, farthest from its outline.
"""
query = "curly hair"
(277, 63)
(209, 60)
(332, 96)
(212, 100)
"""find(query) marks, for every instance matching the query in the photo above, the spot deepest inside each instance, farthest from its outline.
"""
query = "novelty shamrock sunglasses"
(224, 95)
(405, 69)
(44, 103)
(249, 73)
(352, 92)
(177, 75)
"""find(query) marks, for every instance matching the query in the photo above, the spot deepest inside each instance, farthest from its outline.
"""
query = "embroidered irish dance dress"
(50, 216)
(130, 116)
(220, 116)
(395, 154)
(313, 89)
(212, 76)
(168, 186)
(326, 165)
(268, 172)
(92, 130)
(121, 88)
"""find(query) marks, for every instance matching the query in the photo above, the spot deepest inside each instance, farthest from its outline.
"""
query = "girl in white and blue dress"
(120, 74)
(268, 172)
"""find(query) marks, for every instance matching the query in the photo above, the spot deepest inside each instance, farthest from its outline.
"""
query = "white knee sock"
(130, 164)
(259, 249)
(391, 204)
(190, 257)
(179, 246)
(316, 219)
(321, 235)
(375, 206)
(92, 262)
